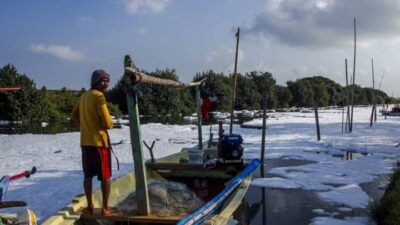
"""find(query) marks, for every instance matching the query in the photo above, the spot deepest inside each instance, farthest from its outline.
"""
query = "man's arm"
(75, 114)
(103, 113)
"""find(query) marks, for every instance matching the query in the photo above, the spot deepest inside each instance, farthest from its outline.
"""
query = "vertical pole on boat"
(200, 133)
(142, 196)
(234, 80)
(264, 127)
(354, 75)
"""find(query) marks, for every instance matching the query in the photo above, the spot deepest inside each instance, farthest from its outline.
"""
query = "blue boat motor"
(231, 147)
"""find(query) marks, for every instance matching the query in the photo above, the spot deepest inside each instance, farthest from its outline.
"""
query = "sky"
(60, 43)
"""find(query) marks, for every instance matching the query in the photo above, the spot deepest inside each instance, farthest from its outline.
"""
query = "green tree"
(216, 84)
(24, 104)
(284, 97)
(248, 96)
(265, 83)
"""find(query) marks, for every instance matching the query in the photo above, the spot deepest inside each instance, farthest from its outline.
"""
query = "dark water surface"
(291, 206)
(63, 127)
(37, 128)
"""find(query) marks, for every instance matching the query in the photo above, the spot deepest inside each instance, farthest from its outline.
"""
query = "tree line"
(37, 105)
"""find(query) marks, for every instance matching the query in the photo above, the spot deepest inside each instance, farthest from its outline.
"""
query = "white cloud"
(327, 23)
(145, 6)
(61, 52)
(223, 60)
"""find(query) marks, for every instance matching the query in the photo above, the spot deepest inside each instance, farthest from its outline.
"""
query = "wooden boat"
(225, 197)
(213, 170)
(394, 112)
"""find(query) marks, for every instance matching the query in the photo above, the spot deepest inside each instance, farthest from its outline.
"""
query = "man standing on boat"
(91, 113)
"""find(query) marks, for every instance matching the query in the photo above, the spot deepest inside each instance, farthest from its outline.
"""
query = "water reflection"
(292, 206)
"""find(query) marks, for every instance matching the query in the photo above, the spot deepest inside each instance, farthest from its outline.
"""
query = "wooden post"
(373, 96)
(347, 99)
(142, 197)
(234, 80)
(342, 113)
(198, 102)
(264, 128)
(317, 121)
(264, 206)
(354, 75)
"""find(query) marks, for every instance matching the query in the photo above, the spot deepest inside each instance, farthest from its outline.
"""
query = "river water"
(261, 205)
(292, 206)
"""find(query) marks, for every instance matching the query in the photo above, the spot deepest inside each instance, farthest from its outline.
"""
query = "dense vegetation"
(35, 105)
(387, 210)
(31, 105)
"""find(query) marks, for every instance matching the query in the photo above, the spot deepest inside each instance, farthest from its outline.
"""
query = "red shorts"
(96, 161)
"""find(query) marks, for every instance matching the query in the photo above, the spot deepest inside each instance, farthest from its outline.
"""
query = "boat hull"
(167, 168)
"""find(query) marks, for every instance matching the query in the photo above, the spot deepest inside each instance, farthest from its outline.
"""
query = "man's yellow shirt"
(93, 117)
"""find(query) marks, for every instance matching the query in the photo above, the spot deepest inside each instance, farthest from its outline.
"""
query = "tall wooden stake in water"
(373, 112)
(200, 133)
(317, 120)
(347, 99)
(354, 75)
(264, 128)
(142, 197)
(234, 80)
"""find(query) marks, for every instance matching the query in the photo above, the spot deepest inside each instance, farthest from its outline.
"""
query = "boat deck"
(146, 219)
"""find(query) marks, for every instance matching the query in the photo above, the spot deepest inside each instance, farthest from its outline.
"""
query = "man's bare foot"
(109, 211)
(88, 211)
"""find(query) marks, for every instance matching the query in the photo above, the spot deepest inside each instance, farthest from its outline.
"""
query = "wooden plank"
(151, 219)
(137, 151)
(175, 166)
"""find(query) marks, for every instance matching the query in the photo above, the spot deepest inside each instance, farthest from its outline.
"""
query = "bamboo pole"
(354, 75)
(234, 80)
(133, 75)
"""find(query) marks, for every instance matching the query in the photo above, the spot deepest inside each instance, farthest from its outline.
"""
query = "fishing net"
(167, 198)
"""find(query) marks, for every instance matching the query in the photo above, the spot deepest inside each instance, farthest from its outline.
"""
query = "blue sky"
(59, 43)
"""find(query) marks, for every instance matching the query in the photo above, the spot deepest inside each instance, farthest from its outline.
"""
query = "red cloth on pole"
(10, 88)
(206, 106)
